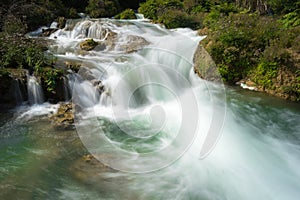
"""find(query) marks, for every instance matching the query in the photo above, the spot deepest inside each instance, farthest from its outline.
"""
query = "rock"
(134, 43)
(13, 89)
(98, 84)
(88, 169)
(204, 65)
(46, 32)
(64, 117)
(88, 44)
(111, 39)
(61, 22)
(203, 31)
(73, 65)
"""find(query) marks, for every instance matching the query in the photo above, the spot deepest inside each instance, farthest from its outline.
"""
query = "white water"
(35, 91)
(150, 91)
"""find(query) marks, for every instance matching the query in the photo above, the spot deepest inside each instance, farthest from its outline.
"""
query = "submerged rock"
(88, 169)
(64, 117)
(88, 44)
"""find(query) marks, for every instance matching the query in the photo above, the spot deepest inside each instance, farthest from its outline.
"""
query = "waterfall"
(35, 91)
(146, 110)
(139, 16)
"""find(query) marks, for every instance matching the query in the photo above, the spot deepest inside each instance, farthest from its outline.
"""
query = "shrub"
(20, 52)
(265, 72)
(176, 18)
(102, 8)
(126, 14)
(13, 25)
(291, 19)
(50, 77)
(149, 9)
(153, 9)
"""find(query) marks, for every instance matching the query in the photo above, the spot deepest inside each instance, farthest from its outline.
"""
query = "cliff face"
(13, 89)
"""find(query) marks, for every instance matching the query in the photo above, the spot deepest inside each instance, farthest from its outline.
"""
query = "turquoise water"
(257, 157)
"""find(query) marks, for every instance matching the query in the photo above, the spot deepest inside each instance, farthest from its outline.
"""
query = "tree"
(102, 8)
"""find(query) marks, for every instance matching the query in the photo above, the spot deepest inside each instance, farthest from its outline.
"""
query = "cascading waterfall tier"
(144, 110)
(35, 91)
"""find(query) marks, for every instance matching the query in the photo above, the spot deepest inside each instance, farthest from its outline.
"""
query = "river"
(149, 127)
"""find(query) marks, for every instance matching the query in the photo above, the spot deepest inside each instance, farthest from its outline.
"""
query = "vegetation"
(126, 14)
(248, 39)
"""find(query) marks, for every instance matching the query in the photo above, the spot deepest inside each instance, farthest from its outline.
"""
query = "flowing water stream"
(142, 111)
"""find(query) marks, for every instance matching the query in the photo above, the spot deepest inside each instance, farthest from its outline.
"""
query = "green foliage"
(265, 72)
(240, 41)
(72, 13)
(4, 73)
(102, 8)
(212, 18)
(50, 77)
(13, 25)
(284, 6)
(149, 9)
(291, 19)
(126, 14)
(197, 6)
(153, 9)
(20, 52)
(177, 18)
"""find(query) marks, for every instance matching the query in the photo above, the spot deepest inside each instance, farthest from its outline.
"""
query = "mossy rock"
(64, 117)
(88, 45)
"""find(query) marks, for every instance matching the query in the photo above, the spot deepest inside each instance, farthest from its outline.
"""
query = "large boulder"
(64, 117)
(88, 44)
(204, 65)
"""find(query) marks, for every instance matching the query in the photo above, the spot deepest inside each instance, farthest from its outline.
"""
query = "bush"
(20, 52)
(265, 72)
(13, 25)
(153, 9)
(149, 9)
(196, 6)
(102, 8)
(126, 14)
(175, 19)
(50, 76)
(291, 19)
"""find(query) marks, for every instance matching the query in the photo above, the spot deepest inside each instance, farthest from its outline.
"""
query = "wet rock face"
(61, 22)
(88, 44)
(13, 89)
(48, 31)
(64, 117)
